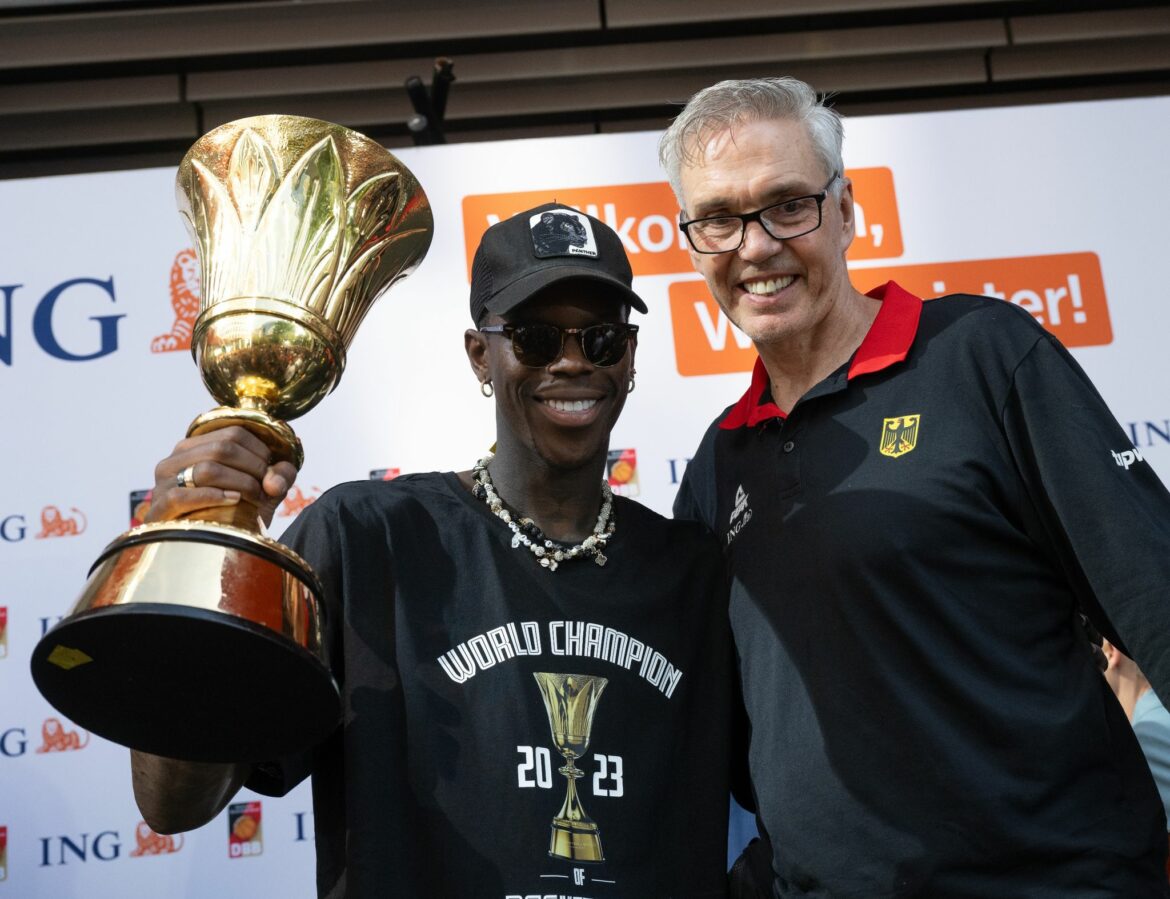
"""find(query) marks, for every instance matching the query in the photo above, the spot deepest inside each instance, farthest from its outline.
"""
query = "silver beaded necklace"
(526, 533)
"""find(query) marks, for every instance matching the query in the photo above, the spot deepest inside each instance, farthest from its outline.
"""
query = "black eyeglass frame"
(509, 330)
(747, 217)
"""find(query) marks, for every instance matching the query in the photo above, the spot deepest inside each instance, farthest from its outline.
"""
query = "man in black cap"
(510, 640)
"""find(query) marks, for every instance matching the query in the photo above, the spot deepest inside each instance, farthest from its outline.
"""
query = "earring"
(630, 386)
(486, 388)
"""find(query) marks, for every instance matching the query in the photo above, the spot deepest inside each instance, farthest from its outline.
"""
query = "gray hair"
(720, 106)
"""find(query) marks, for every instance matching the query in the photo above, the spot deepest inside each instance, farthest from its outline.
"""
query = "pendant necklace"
(525, 532)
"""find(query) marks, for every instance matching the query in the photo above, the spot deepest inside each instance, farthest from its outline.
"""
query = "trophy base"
(194, 641)
(576, 841)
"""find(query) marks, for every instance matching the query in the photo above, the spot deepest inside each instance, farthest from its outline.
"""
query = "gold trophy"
(571, 700)
(202, 638)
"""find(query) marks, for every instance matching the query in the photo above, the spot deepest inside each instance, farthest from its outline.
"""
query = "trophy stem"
(575, 836)
(276, 434)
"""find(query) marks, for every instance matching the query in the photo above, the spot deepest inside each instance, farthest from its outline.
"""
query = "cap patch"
(561, 232)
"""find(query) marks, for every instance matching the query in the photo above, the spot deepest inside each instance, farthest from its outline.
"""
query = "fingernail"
(231, 496)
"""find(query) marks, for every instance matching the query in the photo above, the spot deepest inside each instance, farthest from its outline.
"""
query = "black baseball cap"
(532, 250)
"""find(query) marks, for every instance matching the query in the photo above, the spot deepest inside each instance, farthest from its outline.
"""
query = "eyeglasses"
(782, 221)
(538, 345)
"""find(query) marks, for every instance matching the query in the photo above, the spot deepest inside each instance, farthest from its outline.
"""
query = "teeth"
(771, 286)
(572, 405)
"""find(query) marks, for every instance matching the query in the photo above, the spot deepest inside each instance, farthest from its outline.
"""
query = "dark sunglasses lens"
(604, 345)
(536, 345)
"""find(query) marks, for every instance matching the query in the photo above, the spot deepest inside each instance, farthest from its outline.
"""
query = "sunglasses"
(538, 345)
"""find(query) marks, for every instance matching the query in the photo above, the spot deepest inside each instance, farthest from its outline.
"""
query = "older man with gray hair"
(916, 500)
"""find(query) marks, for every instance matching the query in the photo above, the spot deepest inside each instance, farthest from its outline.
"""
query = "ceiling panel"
(94, 83)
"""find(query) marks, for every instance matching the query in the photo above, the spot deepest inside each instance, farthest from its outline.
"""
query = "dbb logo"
(244, 836)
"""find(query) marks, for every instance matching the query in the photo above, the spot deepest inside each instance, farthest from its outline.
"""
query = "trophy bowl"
(202, 638)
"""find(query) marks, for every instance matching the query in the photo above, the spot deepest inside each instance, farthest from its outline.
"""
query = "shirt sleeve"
(1151, 724)
(1105, 512)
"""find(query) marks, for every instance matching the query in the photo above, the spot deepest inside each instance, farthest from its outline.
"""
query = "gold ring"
(186, 477)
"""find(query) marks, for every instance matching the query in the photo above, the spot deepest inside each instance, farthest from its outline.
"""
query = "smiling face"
(559, 416)
(773, 290)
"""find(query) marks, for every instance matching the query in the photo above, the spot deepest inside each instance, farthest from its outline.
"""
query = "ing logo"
(147, 842)
(55, 737)
(54, 523)
(899, 435)
(384, 474)
(185, 293)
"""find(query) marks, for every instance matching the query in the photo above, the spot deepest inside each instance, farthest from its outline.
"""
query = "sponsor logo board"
(621, 470)
(245, 838)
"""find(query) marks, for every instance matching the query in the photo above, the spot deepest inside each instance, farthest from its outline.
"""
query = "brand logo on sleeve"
(899, 435)
(740, 515)
(1128, 457)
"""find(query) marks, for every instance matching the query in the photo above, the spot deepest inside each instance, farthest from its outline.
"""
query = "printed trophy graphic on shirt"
(571, 701)
(202, 638)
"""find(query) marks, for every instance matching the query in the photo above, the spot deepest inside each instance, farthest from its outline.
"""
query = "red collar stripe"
(887, 342)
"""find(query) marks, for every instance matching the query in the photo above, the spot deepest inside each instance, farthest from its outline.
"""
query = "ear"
(475, 345)
(848, 219)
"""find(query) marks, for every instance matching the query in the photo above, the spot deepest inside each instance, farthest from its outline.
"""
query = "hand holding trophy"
(202, 638)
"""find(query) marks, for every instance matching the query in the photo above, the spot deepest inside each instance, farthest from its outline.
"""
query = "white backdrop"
(1061, 208)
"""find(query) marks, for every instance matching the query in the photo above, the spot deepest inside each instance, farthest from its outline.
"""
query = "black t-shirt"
(445, 778)
(908, 550)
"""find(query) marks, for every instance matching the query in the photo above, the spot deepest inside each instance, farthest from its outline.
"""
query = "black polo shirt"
(909, 546)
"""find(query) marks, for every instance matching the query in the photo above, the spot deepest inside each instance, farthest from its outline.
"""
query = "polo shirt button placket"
(789, 446)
